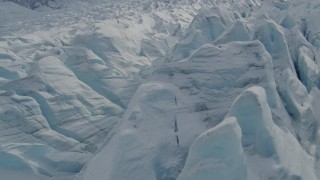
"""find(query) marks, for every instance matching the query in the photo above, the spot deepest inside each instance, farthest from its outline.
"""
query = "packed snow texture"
(165, 90)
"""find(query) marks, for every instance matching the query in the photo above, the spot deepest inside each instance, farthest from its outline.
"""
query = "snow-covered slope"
(139, 90)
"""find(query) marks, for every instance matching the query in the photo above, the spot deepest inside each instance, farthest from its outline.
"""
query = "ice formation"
(165, 90)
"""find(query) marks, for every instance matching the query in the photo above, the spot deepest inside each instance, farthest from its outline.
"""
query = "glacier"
(165, 90)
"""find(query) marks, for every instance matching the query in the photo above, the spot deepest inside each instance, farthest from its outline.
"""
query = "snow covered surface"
(139, 90)
(217, 153)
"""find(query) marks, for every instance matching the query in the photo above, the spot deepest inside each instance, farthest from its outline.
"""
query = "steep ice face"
(237, 32)
(205, 27)
(253, 114)
(308, 69)
(273, 39)
(247, 136)
(265, 142)
(217, 153)
(298, 104)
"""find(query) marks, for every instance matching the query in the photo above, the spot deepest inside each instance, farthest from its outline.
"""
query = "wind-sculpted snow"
(164, 90)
